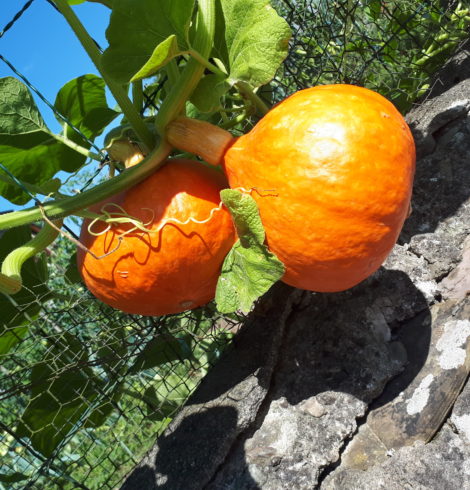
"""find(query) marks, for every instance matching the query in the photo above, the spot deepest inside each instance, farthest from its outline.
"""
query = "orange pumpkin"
(174, 264)
(334, 167)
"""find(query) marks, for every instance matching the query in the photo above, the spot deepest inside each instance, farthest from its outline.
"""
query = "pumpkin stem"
(199, 137)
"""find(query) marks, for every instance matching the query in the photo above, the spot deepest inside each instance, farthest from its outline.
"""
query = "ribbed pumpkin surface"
(333, 167)
(168, 271)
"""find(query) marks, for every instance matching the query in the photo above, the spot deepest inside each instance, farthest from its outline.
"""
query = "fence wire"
(85, 390)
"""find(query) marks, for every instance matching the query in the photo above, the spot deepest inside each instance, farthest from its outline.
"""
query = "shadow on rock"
(295, 378)
(336, 357)
(441, 129)
(343, 342)
(187, 453)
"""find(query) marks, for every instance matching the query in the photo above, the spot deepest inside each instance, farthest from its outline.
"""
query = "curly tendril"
(121, 216)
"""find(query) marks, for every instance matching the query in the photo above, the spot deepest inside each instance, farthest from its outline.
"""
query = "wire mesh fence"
(84, 389)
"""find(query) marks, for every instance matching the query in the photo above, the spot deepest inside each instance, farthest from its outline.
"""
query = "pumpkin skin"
(170, 271)
(333, 167)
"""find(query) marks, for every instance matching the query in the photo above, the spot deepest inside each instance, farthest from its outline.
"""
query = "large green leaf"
(159, 408)
(18, 111)
(143, 35)
(34, 158)
(61, 393)
(71, 271)
(19, 309)
(13, 477)
(100, 414)
(27, 148)
(113, 350)
(10, 337)
(107, 3)
(256, 41)
(161, 349)
(249, 269)
(83, 102)
(206, 96)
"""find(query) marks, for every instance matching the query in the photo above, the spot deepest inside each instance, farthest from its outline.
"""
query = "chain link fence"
(85, 390)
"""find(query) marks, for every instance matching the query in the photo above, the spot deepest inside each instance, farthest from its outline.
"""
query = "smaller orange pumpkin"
(174, 263)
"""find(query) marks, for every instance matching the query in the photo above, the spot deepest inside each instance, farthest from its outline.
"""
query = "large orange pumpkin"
(333, 170)
(175, 266)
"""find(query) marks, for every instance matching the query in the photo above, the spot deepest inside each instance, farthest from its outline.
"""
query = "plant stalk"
(73, 204)
(247, 92)
(199, 137)
(206, 63)
(138, 95)
(118, 92)
(10, 275)
(175, 102)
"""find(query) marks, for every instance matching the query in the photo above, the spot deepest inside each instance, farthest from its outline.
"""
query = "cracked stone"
(460, 417)
(441, 464)
(457, 284)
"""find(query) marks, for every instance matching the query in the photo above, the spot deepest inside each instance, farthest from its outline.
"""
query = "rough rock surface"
(353, 390)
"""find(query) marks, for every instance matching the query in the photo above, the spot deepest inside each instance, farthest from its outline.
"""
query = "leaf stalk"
(72, 204)
(248, 93)
(117, 90)
(74, 146)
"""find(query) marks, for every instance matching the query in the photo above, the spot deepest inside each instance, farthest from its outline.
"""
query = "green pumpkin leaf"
(206, 96)
(83, 102)
(112, 351)
(249, 269)
(256, 41)
(161, 349)
(100, 414)
(159, 408)
(60, 395)
(18, 111)
(27, 148)
(143, 35)
(161, 55)
(71, 271)
(107, 3)
(9, 338)
(33, 158)
(13, 477)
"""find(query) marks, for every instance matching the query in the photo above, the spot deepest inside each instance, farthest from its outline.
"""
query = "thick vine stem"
(73, 204)
(200, 138)
(10, 276)
(174, 104)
